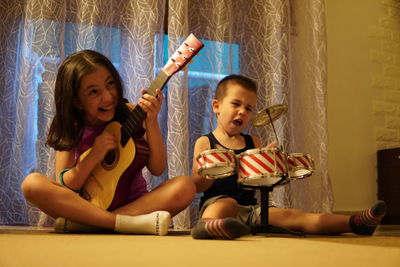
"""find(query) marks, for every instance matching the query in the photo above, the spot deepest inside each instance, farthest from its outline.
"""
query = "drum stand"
(264, 117)
(264, 226)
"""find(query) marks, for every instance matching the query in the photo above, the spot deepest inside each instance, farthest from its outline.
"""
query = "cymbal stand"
(264, 226)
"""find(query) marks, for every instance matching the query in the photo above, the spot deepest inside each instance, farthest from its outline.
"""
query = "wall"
(363, 94)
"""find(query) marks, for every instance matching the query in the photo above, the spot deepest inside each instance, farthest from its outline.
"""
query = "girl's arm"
(76, 176)
(202, 183)
(158, 155)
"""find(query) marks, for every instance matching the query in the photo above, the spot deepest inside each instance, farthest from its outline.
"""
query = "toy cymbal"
(268, 115)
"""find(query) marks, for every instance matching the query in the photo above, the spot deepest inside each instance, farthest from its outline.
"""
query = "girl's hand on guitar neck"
(151, 105)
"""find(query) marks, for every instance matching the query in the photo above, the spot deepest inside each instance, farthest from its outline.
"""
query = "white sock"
(156, 223)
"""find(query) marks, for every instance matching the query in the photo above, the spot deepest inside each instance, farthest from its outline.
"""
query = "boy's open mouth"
(238, 122)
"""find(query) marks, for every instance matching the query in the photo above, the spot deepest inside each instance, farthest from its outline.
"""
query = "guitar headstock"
(186, 51)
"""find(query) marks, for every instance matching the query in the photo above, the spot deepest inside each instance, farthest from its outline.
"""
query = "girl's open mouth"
(105, 109)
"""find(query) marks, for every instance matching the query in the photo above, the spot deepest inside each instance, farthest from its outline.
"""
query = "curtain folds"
(281, 44)
(308, 104)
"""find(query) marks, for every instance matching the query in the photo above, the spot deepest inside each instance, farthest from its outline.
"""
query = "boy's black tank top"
(229, 186)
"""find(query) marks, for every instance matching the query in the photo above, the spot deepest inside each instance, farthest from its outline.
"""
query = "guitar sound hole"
(111, 159)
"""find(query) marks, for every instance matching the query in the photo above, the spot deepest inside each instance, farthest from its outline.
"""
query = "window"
(202, 70)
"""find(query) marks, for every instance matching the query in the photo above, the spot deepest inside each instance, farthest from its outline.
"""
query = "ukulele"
(105, 181)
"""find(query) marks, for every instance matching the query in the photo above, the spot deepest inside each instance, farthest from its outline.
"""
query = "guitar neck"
(137, 115)
(176, 62)
(159, 83)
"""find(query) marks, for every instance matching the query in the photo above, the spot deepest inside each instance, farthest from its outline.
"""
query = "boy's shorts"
(246, 214)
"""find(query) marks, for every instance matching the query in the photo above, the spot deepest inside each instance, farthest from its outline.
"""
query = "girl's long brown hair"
(67, 125)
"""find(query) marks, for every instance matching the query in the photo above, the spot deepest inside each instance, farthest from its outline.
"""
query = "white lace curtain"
(281, 44)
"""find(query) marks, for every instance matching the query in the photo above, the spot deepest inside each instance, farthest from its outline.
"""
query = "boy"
(227, 210)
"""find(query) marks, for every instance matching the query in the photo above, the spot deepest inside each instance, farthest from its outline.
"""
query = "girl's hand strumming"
(103, 143)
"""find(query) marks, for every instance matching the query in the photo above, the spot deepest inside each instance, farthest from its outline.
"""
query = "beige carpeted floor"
(29, 246)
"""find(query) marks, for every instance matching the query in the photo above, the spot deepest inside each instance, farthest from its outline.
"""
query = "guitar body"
(101, 186)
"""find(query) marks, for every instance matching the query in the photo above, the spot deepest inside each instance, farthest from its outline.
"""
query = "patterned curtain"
(279, 43)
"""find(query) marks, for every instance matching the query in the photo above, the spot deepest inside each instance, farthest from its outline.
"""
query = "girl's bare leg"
(58, 201)
(173, 195)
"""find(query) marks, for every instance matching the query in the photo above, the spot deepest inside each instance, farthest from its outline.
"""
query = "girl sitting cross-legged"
(88, 96)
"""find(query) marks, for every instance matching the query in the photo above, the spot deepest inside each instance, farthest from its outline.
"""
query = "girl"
(88, 95)
(227, 209)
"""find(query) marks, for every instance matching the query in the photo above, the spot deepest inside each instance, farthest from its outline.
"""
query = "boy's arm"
(202, 183)
(256, 141)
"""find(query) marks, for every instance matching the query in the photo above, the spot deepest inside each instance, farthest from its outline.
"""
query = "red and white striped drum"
(262, 167)
(216, 163)
(301, 165)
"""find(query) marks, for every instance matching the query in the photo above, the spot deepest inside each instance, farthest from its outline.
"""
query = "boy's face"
(235, 110)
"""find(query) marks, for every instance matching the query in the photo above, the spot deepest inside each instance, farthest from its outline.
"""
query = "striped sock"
(228, 228)
(366, 222)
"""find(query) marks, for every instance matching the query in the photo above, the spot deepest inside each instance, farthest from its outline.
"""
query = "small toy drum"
(262, 167)
(300, 165)
(216, 163)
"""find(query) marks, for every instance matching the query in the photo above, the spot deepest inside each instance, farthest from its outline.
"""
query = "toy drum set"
(256, 167)
(260, 166)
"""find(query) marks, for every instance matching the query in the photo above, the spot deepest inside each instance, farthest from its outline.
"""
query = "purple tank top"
(136, 185)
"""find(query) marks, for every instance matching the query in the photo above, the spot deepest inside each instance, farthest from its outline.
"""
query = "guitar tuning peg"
(185, 68)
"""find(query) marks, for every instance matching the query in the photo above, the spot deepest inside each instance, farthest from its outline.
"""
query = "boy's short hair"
(247, 83)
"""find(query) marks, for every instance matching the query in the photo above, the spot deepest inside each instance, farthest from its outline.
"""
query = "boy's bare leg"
(221, 208)
(312, 223)
(363, 223)
(219, 221)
